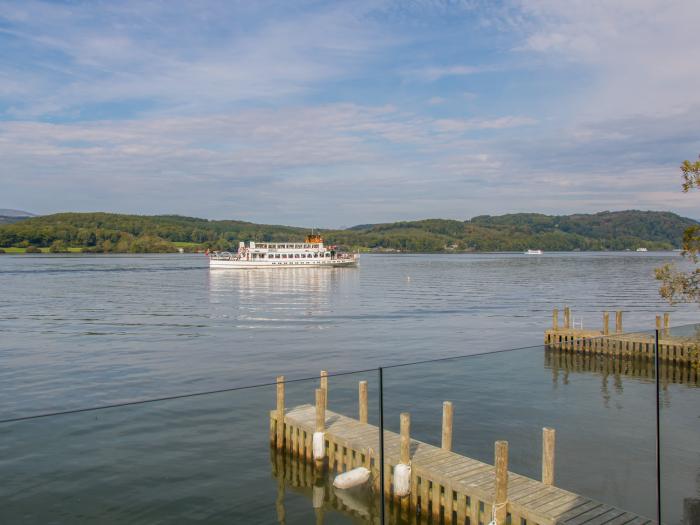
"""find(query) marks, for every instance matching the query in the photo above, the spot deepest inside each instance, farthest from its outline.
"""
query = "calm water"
(83, 331)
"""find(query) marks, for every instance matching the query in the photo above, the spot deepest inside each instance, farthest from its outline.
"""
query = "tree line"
(119, 233)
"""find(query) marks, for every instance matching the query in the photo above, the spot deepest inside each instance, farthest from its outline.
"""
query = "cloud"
(461, 125)
(434, 73)
(192, 57)
(641, 54)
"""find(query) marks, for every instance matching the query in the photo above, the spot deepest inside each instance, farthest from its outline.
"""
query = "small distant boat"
(533, 252)
(642, 250)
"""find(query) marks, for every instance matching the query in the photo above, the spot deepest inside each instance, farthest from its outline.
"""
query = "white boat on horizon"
(533, 252)
(642, 250)
(312, 253)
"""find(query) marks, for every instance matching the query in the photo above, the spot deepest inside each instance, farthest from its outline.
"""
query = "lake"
(81, 331)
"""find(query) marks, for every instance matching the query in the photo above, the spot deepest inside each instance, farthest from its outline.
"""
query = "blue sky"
(334, 114)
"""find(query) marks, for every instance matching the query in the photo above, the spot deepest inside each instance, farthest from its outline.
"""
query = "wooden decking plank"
(639, 520)
(624, 519)
(520, 491)
(467, 477)
(607, 517)
(535, 498)
(576, 511)
(567, 498)
(588, 515)
(458, 468)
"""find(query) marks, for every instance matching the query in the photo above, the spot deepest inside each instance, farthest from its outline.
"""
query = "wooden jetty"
(445, 487)
(672, 348)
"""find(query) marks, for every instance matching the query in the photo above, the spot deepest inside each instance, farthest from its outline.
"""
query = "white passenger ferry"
(310, 253)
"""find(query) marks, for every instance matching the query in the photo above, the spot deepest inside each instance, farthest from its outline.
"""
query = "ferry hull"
(242, 265)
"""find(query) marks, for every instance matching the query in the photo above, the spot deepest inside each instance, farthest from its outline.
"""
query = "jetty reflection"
(300, 477)
(563, 364)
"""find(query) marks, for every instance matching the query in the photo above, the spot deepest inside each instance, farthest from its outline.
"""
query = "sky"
(331, 114)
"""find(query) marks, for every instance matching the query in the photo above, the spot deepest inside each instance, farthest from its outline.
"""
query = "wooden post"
(658, 322)
(501, 496)
(667, 322)
(548, 441)
(606, 323)
(447, 425)
(324, 385)
(320, 418)
(320, 409)
(363, 401)
(555, 319)
(405, 458)
(618, 322)
(280, 412)
(405, 438)
(567, 318)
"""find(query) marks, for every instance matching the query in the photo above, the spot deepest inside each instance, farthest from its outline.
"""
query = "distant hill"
(9, 216)
(109, 232)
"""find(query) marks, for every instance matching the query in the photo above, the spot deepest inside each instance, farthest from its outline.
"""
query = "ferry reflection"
(285, 288)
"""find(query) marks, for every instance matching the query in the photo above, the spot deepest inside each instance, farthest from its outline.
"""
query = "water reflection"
(563, 364)
(300, 477)
(281, 291)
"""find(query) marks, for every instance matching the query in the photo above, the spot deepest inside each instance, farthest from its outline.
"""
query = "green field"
(193, 245)
(13, 249)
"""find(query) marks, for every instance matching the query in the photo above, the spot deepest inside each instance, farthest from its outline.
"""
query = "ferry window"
(262, 255)
(296, 255)
(277, 256)
(284, 256)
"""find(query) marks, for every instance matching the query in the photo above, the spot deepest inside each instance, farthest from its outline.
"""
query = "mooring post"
(501, 496)
(658, 322)
(567, 318)
(362, 394)
(447, 425)
(667, 322)
(405, 438)
(555, 319)
(606, 323)
(319, 448)
(402, 471)
(280, 412)
(618, 322)
(324, 384)
(548, 443)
